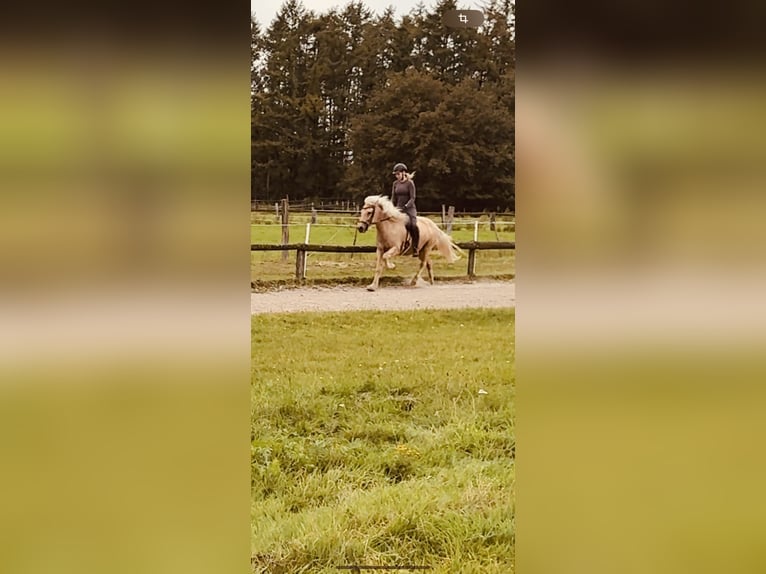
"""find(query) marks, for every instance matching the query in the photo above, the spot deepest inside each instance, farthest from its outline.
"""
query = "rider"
(403, 196)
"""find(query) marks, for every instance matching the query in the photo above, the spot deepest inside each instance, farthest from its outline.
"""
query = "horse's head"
(366, 217)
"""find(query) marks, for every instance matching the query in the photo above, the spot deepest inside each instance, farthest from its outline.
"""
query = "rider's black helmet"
(400, 167)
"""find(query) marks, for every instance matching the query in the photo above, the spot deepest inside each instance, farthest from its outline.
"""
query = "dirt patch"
(344, 298)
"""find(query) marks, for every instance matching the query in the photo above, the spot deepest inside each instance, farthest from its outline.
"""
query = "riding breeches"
(412, 226)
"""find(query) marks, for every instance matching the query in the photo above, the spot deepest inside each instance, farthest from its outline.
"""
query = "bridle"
(367, 223)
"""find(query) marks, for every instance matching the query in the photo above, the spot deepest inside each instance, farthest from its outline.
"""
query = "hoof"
(391, 265)
(371, 287)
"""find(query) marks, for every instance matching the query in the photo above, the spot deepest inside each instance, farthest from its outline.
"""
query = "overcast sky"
(265, 10)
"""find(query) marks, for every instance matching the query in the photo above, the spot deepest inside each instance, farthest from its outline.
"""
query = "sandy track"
(439, 296)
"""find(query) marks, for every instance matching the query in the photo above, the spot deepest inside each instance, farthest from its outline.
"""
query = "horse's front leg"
(389, 255)
(378, 271)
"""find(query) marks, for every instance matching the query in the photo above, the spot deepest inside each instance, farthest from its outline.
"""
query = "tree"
(449, 54)
(284, 144)
(459, 140)
(385, 132)
(338, 97)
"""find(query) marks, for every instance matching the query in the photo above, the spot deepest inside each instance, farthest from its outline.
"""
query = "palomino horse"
(392, 237)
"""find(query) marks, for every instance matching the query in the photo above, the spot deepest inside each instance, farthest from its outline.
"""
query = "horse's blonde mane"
(386, 206)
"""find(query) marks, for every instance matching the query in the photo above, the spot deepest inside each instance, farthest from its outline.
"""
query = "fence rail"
(351, 207)
(302, 248)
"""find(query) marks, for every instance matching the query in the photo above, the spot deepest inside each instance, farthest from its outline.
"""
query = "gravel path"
(439, 296)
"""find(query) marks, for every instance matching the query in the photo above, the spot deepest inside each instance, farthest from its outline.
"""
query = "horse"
(393, 238)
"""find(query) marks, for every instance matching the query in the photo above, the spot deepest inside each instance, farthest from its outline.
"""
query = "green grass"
(372, 445)
(340, 231)
(268, 266)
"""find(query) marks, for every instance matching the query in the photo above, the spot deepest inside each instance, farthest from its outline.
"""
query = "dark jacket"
(403, 196)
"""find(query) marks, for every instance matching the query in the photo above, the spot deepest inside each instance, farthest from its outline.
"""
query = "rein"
(370, 223)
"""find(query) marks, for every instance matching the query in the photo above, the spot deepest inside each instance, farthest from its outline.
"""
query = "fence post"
(471, 262)
(444, 214)
(476, 230)
(306, 255)
(285, 226)
(492, 225)
(300, 264)
(356, 231)
(313, 215)
(450, 217)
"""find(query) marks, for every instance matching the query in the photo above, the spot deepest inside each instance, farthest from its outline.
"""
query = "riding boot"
(415, 240)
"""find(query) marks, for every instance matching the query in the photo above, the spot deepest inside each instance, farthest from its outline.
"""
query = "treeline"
(339, 97)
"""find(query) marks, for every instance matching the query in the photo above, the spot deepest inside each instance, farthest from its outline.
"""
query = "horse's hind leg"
(429, 268)
(423, 256)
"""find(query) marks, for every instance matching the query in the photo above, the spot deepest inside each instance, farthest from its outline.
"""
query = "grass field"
(268, 266)
(378, 449)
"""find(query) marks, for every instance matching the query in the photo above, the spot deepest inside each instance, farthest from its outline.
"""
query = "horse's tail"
(446, 246)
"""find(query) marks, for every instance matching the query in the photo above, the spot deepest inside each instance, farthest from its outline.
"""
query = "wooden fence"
(302, 248)
(350, 208)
